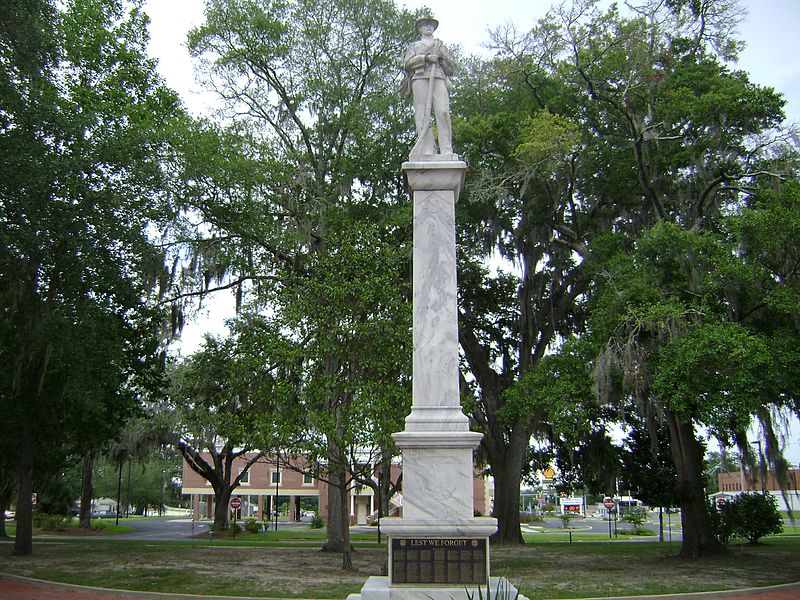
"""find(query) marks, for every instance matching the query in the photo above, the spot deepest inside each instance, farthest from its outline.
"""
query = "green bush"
(317, 522)
(749, 516)
(252, 525)
(525, 517)
(637, 517)
(46, 522)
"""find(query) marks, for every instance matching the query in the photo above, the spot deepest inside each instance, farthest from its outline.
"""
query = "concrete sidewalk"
(21, 588)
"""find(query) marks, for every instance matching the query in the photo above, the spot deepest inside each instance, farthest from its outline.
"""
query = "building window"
(308, 479)
(276, 477)
(245, 480)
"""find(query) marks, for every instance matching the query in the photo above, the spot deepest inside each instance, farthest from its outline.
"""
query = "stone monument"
(437, 550)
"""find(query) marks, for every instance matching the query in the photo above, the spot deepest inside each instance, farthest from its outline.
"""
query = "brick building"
(736, 482)
(269, 479)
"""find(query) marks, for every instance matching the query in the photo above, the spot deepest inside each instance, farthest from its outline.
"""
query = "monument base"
(379, 588)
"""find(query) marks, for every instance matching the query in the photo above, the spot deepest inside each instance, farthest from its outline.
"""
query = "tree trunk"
(85, 519)
(23, 543)
(5, 501)
(347, 548)
(506, 504)
(336, 508)
(687, 452)
(385, 482)
(222, 498)
(506, 463)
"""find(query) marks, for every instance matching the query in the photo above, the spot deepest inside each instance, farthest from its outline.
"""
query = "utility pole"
(762, 470)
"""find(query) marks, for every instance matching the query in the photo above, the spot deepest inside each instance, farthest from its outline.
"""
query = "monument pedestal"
(438, 549)
(379, 588)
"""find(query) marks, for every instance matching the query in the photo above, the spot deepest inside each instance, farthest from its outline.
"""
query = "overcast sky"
(770, 31)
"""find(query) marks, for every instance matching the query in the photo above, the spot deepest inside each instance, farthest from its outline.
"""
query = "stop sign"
(608, 503)
(236, 503)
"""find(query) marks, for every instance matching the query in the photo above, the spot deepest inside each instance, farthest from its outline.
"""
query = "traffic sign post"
(609, 504)
(235, 503)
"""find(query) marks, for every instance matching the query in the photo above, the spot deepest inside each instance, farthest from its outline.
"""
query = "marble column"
(436, 444)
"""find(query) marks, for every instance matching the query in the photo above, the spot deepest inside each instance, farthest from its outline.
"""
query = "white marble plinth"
(379, 588)
(472, 527)
(438, 474)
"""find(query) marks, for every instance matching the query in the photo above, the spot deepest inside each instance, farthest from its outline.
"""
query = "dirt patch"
(206, 569)
(540, 571)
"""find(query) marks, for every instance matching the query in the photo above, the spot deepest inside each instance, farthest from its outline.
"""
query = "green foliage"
(749, 516)
(502, 591)
(647, 467)
(85, 144)
(147, 484)
(617, 221)
(531, 518)
(55, 495)
(50, 522)
(251, 525)
(546, 141)
(636, 517)
(717, 373)
(316, 522)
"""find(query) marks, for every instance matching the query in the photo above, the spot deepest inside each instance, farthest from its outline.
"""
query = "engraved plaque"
(440, 561)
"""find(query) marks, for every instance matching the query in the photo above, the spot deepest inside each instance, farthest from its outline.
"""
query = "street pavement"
(672, 531)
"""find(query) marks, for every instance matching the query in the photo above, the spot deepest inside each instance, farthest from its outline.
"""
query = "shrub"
(317, 522)
(749, 516)
(234, 527)
(47, 522)
(252, 525)
(525, 517)
(637, 517)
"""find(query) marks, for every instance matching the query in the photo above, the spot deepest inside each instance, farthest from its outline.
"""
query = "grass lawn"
(285, 567)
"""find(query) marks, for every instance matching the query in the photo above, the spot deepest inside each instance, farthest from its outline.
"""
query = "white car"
(10, 514)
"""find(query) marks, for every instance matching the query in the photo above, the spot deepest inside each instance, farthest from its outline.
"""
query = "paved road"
(174, 529)
(593, 525)
(171, 529)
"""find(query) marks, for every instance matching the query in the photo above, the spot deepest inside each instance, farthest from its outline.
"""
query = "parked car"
(10, 515)
(104, 514)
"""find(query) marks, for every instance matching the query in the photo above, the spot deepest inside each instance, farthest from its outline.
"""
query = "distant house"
(734, 483)
(270, 483)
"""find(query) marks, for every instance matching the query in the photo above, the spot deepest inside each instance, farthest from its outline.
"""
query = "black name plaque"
(458, 561)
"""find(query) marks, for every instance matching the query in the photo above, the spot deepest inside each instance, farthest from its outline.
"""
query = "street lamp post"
(380, 513)
(277, 483)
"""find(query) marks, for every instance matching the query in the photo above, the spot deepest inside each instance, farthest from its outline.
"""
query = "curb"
(710, 595)
(165, 596)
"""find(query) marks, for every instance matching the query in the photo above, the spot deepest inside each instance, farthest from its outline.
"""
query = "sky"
(769, 30)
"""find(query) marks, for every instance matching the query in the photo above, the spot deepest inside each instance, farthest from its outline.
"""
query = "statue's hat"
(427, 21)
